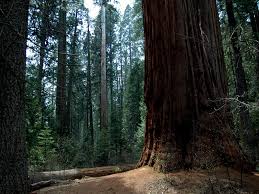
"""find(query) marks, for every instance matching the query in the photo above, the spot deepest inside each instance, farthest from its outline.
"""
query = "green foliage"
(44, 151)
(132, 110)
(141, 127)
(138, 22)
(249, 52)
(68, 153)
(102, 150)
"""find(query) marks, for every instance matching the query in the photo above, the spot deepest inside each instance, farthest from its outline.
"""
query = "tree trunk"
(104, 95)
(241, 85)
(188, 122)
(118, 113)
(89, 86)
(61, 73)
(111, 82)
(130, 47)
(44, 29)
(122, 85)
(89, 105)
(71, 77)
(40, 75)
(13, 163)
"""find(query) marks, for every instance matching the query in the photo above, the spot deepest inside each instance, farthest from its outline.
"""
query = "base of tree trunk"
(210, 144)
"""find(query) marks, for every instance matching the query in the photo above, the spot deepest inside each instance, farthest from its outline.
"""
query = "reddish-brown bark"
(185, 78)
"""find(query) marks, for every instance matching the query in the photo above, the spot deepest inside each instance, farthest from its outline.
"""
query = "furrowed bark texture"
(13, 33)
(187, 125)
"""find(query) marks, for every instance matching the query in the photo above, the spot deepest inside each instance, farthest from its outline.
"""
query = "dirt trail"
(133, 181)
(146, 180)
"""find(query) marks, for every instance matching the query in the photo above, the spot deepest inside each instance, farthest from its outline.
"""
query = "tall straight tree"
(13, 165)
(104, 94)
(61, 72)
(46, 9)
(112, 17)
(43, 39)
(188, 122)
(89, 85)
(241, 85)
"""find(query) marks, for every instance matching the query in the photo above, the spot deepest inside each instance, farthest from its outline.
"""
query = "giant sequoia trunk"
(13, 32)
(188, 123)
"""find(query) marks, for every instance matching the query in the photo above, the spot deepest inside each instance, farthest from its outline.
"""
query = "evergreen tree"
(61, 100)
(183, 87)
(13, 165)
(132, 110)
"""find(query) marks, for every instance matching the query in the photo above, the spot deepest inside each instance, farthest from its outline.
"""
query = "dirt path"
(145, 180)
(133, 181)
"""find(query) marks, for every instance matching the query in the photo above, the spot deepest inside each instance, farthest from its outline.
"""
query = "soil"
(146, 180)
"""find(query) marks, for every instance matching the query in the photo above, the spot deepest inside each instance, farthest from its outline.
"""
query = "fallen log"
(42, 184)
(37, 177)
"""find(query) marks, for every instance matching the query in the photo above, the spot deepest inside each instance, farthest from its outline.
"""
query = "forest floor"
(146, 180)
